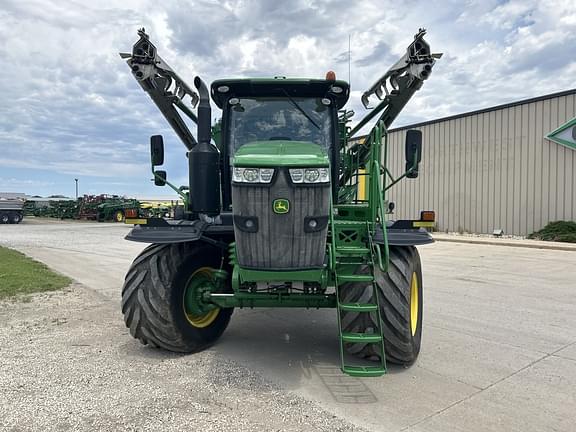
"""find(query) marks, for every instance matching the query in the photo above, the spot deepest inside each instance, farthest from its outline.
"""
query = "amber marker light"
(427, 216)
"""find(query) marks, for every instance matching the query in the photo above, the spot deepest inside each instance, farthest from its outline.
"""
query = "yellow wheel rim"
(200, 321)
(414, 304)
(119, 217)
(203, 320)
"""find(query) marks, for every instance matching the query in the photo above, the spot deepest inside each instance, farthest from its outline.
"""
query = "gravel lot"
(499, 351)
(68, 363)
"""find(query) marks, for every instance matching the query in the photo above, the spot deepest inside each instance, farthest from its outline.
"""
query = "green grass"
(560, 231)
(22, 275)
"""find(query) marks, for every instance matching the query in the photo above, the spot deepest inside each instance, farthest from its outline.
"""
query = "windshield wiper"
(299, 108)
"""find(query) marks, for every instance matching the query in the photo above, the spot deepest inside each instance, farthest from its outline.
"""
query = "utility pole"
(76, 180)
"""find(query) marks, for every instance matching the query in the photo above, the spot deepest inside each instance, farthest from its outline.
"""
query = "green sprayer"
(284, 208)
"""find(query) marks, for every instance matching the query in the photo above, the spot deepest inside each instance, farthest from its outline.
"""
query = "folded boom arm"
(395, 88)
(163, 85)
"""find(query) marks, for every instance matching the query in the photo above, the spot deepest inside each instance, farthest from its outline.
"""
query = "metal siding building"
(491, 168)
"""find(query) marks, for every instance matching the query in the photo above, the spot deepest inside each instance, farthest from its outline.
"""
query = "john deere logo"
(281, 206)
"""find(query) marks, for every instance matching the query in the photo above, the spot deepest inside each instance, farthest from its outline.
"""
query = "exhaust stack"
(204, 161)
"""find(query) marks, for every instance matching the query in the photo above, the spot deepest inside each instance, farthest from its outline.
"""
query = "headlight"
(297, 175)
(252, 175)
(266, 175)
(310, 175)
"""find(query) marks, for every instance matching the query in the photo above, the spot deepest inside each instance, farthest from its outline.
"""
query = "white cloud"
(71, 106)
(509, 15)
(12, 184)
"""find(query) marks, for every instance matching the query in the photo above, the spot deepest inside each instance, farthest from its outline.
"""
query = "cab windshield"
(287, 118)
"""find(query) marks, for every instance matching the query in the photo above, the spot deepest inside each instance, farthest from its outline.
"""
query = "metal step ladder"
(350, 239)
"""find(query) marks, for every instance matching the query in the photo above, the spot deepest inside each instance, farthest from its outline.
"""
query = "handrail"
(377, 191)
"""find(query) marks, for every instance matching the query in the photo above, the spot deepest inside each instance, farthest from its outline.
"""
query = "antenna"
(349, 68)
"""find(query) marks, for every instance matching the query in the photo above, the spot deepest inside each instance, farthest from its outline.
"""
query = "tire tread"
(146, 297)
(394, 300)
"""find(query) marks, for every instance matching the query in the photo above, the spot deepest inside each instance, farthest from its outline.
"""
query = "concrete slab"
(480, 362)
(569, 352)
(299, 349)
(519, 297)
(539, 398)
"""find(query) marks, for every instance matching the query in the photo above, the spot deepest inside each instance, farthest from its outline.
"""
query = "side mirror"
(413, 152)
(156, 150)
(160, 178)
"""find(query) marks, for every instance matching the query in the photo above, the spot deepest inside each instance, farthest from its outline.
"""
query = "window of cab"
(306, 119)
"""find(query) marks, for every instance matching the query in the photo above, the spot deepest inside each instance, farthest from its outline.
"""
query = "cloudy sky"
(71, 109)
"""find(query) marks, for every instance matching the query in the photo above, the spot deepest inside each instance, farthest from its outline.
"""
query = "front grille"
(271, 241)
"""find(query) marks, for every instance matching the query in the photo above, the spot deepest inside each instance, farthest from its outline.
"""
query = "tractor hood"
(281, 153)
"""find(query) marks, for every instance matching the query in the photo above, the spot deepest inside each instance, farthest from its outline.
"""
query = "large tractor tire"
(118, 216)
(400, 299)
(158, 297)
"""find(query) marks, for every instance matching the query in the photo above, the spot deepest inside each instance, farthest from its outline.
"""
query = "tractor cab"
(280, 145)
(277, 121)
